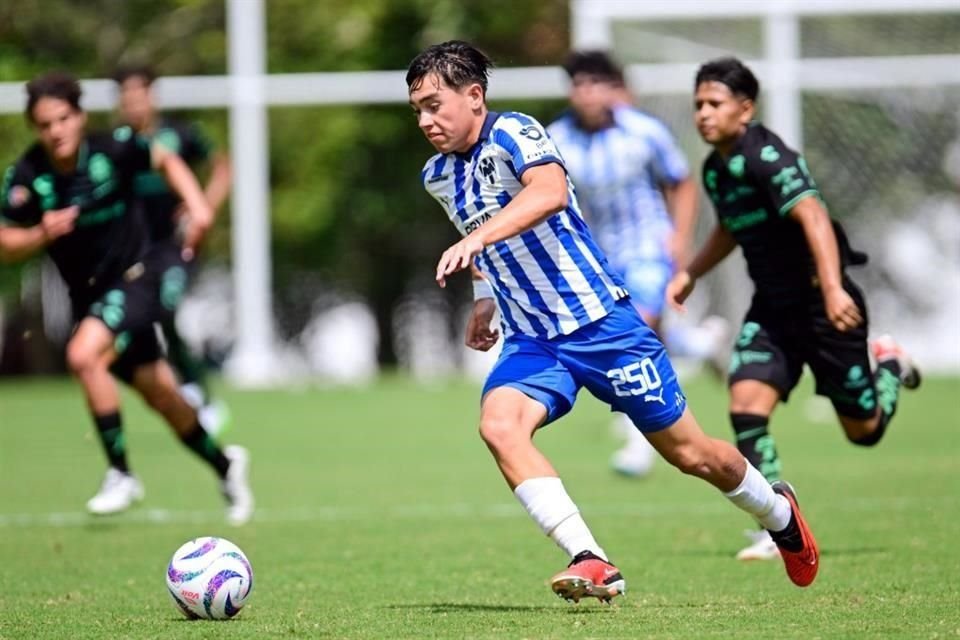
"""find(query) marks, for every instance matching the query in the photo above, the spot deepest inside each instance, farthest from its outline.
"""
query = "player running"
(637, 196)
(567, 320)
(71, 194)
(805, 308)
(163, 208)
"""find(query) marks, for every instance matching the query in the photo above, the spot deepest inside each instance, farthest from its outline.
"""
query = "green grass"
(383, 516)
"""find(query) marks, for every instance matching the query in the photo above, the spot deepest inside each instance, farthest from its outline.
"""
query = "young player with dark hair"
(805, 308)
(163, 210)
(567, 320)
(71, 195)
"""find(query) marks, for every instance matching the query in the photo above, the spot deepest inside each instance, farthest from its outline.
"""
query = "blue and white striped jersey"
(549, 280)
(617, 172)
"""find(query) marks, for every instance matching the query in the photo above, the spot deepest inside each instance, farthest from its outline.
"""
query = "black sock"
(756, 444)
(110, 429)
(886, 384)
(200, 442)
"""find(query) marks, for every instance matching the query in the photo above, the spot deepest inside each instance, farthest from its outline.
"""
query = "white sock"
(756, 497)
(548, 504)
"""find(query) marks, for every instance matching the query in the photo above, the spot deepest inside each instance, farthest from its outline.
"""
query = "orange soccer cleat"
(798, 548)
(588, 575)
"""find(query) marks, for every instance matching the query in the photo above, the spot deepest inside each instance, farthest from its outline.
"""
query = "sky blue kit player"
(566, 319)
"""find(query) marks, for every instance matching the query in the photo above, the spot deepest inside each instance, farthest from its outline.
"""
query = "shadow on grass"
(468, 607)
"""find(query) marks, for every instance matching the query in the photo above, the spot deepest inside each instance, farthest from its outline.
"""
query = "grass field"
(382, 516)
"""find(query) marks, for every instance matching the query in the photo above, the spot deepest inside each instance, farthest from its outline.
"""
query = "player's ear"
(747, 110)
(475, 96)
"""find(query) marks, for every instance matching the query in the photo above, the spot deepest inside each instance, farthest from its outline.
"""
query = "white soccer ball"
(209, 578)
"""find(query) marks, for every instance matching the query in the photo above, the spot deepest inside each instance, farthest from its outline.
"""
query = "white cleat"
(117, 493)
(236, 486)
(762, 547)
(193, 394)
(635, 458)
(214, 417)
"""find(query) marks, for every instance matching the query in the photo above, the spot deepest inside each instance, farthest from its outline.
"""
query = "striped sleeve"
(526, 142)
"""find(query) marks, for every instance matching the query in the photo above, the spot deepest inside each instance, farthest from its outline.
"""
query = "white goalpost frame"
(247, 91)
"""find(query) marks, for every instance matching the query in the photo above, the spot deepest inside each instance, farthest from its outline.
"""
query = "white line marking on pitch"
(423, 511)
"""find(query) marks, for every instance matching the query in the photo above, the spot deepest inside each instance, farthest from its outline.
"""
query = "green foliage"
(346, 201)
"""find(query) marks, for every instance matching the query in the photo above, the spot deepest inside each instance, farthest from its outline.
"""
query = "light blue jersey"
(550, 280)
(618, 172)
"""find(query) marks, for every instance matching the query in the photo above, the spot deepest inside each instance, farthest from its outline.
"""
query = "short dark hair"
(55, 84)
(457, 62)
(731, 72)
(595, 63)
(143, 71)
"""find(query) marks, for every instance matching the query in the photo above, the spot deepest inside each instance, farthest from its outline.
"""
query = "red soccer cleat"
(798, 548)
(588, 575)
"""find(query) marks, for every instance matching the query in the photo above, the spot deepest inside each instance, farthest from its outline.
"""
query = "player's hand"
(457, 258)
(679, 289)
(479, 334)
(59, 222)
(197, 225)
(842, 312)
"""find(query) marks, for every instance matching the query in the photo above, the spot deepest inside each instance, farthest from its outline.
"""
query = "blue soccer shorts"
(618, 358)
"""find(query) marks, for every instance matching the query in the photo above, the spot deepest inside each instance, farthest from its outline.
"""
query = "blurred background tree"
(348, 212)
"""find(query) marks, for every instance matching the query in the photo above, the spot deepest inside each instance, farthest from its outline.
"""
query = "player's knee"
(499, 433)
(691, 459)
(80, 359)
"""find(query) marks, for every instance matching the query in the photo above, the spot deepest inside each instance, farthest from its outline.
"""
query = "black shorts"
(146, 295)
(775, 343)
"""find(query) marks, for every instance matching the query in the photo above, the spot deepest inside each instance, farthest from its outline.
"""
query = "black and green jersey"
(159, 202)
(109, 235)
(753, 191)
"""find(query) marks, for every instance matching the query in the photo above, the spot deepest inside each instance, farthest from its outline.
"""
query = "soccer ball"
(209, 578)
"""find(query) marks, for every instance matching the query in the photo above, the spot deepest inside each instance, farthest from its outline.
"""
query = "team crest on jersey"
(122, 134)
(488, 169)
(531, 132)
(101, 169)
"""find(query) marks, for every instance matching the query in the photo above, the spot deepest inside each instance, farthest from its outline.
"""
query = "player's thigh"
(621, 361)
(764, 352)
(840, 363)
(134, 349)
(532, 368)
(90, 344)
(507, 412)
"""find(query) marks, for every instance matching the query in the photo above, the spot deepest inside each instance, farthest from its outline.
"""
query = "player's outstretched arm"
(682, 201)
(181, 179)
(717, 247)
(19, 243)
(841, 309)
(544, 193)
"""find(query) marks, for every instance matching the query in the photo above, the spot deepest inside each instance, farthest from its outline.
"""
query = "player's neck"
(475, 130)
(599, 125)
(65, 165)
(726, 147)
